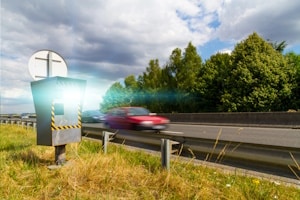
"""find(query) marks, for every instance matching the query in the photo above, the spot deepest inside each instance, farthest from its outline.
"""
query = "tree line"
(255, 77)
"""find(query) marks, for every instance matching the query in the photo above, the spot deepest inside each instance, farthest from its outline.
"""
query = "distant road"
(267, 136)
(284, 137)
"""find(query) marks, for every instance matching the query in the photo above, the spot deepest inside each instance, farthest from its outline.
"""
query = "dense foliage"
(256, 76)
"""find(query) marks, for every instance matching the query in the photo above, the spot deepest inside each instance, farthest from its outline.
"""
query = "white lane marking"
(172, 132)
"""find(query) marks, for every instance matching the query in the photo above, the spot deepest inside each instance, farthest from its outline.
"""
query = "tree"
(255, 77)
(188, 80)
(114, 97)
(172, 68)
(152, 76)
(214, 73)
(170, 80)
(278, 46)
(188, 71)
(168, 90)
(131, 83)
(131, 90)
(181, 75)
(259, 78)
(293, 61)
(151, 84)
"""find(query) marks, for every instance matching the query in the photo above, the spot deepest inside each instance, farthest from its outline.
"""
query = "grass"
(119, 174)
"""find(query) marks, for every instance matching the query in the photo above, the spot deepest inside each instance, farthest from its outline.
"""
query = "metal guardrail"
(252, 119)
(28, 122)
(282, 161)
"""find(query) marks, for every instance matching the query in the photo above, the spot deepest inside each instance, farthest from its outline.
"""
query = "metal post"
(49, 68)
(165, 153)
(60, 155)
(105, 140)
(28, 125)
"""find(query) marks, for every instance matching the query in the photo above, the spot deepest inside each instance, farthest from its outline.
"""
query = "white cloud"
(228, 51)
(277, 20)
(14, 93)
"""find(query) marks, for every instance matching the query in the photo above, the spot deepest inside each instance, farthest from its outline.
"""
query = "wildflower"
(256, 181)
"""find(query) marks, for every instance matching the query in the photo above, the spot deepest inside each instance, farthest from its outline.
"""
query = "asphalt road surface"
(285, 137)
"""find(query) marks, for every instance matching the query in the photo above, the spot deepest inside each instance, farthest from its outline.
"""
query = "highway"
(285, 137)
(274, 151)
(269, 150)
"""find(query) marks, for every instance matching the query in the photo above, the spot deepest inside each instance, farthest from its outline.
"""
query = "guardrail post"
(28, 124)
(165, 154)
(166, 151)
(106, 137)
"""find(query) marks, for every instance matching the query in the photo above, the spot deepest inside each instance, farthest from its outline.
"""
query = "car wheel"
(135, 127)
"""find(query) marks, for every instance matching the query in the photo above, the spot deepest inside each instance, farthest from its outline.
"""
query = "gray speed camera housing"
(58, 105)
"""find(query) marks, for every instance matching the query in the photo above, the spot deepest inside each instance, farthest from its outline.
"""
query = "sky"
(104, 41)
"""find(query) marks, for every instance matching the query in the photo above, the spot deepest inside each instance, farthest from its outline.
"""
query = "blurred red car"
(134, 118)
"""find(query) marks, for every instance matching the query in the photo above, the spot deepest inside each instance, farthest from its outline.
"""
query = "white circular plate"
(45, 64)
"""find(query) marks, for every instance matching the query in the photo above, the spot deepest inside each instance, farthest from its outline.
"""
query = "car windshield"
(93, 112)
(138, 112)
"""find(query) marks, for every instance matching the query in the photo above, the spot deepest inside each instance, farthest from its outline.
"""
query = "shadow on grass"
(30, 158)
(14, 147)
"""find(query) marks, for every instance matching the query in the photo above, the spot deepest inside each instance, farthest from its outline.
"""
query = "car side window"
(121, 113)
(114, 112)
